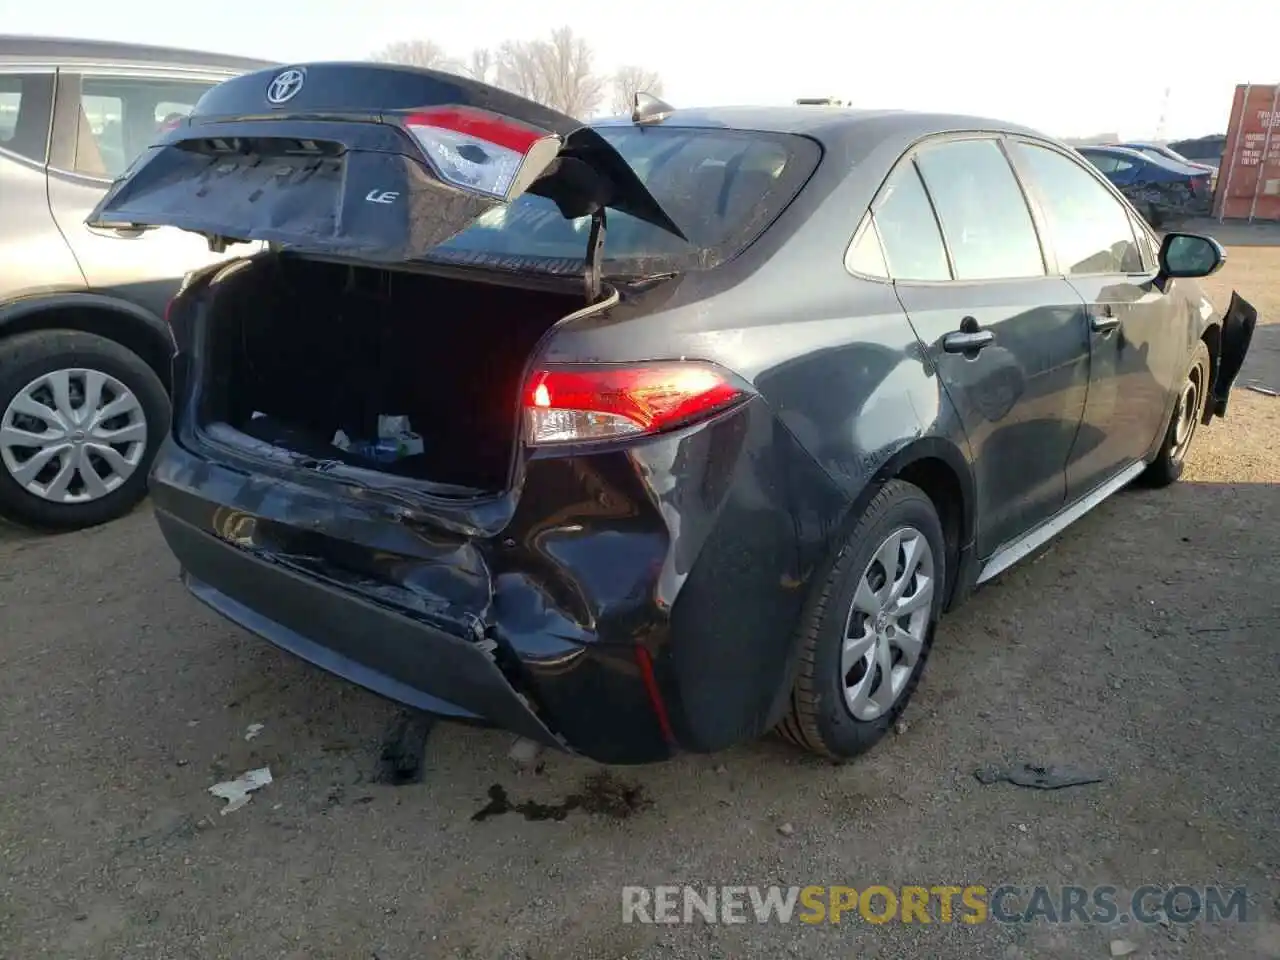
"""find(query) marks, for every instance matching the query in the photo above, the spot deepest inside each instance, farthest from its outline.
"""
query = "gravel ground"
(1141, 644)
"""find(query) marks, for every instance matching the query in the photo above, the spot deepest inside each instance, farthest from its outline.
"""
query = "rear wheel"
(866, 637)
(81, 418)
(1188, 410)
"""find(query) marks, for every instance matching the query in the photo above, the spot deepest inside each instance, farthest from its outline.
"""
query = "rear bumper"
(629, 604)
(377, 648)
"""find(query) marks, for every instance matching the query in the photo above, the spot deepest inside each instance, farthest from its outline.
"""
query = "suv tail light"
(479, 151)
(581, 404)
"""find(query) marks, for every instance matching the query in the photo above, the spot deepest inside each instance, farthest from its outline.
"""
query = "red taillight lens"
(477, 150)
(570, 405)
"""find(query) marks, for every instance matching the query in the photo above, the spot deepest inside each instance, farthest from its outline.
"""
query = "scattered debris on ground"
(524, 753)
(1037, 777)
(786, 829)
(1257, 386)
(403, 755)
(601, 793)
(1122, 948)
(253, 730)
(237, 792)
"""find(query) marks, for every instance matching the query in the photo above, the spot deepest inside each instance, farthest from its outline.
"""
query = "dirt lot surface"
(1143, 644)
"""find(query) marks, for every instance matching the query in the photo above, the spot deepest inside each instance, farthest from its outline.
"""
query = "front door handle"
(968, 339)
(1103, 319)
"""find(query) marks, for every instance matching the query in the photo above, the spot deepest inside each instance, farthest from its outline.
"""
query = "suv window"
(26, 101)
(983, 213)
(908, 230)
(120, 117)
(1089, 227)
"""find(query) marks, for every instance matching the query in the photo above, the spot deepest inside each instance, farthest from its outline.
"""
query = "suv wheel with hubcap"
(81, 418)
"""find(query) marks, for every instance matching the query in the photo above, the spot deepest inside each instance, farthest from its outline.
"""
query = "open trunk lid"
(368, 161)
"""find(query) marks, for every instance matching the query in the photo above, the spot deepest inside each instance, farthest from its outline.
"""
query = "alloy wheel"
(888, 623)
(73, 435)
(1186, 415)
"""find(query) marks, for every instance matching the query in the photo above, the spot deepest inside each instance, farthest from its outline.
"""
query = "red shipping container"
(1249, 177)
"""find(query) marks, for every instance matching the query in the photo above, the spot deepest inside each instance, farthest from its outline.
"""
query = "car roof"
(1128, 153)
(59, 51)
(831, 125)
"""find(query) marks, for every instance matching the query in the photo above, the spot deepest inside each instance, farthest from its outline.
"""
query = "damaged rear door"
(370, 162)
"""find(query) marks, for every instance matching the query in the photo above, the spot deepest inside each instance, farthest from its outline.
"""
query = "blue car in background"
(1161, 189)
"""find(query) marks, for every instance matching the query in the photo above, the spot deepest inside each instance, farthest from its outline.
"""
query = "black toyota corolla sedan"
(655, 434)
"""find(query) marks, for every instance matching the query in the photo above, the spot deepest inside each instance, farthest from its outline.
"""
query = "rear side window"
(1105, 162)
(984, 215)
(721, 187)
(26, 103)
(1088, 227)
(908, 230)
(119, 117)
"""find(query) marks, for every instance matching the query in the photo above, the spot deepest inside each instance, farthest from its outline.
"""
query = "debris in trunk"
(237, 792)
(253, 730)
(601, 793)
(1037, 777)
(403, 749)
(396, 440)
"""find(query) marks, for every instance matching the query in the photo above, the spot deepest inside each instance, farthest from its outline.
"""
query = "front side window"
(122, 116)
(913, 248)
(1089, 228)
(983, 213)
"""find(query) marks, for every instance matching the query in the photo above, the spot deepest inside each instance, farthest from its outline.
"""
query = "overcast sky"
(1069, 69)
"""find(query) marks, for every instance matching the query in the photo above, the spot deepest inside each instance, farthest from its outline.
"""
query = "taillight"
(477, 150)
(574, 405)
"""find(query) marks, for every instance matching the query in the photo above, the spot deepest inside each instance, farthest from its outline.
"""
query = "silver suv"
(84, 349)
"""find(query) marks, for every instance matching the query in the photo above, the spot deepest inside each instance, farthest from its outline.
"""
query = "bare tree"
(556, 72)
(628, 81)
(417, 53)
(481, 65)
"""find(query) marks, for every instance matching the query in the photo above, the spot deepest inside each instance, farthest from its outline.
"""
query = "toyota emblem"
(285, 86)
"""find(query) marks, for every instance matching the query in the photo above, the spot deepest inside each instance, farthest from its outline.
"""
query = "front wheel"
(1188, 411)
(868, 631)
(81, 418)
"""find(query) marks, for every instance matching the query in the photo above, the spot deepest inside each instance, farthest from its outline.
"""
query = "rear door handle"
(1103, 319)
(118, 233)
(967, 341)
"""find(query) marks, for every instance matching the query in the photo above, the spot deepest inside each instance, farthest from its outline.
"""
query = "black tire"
(27, 356)
(1167, 467)
(819, 719)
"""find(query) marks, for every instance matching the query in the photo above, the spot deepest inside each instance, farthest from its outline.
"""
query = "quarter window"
(1089, 227)
(912, 245)
(984, 215)
(26, 103)
(865, 254)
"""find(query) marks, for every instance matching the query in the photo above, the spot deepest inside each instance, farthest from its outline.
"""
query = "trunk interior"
(301, 349)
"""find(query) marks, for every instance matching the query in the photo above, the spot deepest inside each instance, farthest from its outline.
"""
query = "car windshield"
(721, 187)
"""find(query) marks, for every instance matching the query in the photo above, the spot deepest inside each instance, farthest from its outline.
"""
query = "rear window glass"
(721, 187)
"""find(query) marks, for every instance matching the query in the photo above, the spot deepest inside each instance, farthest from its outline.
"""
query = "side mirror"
(1190, 255)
